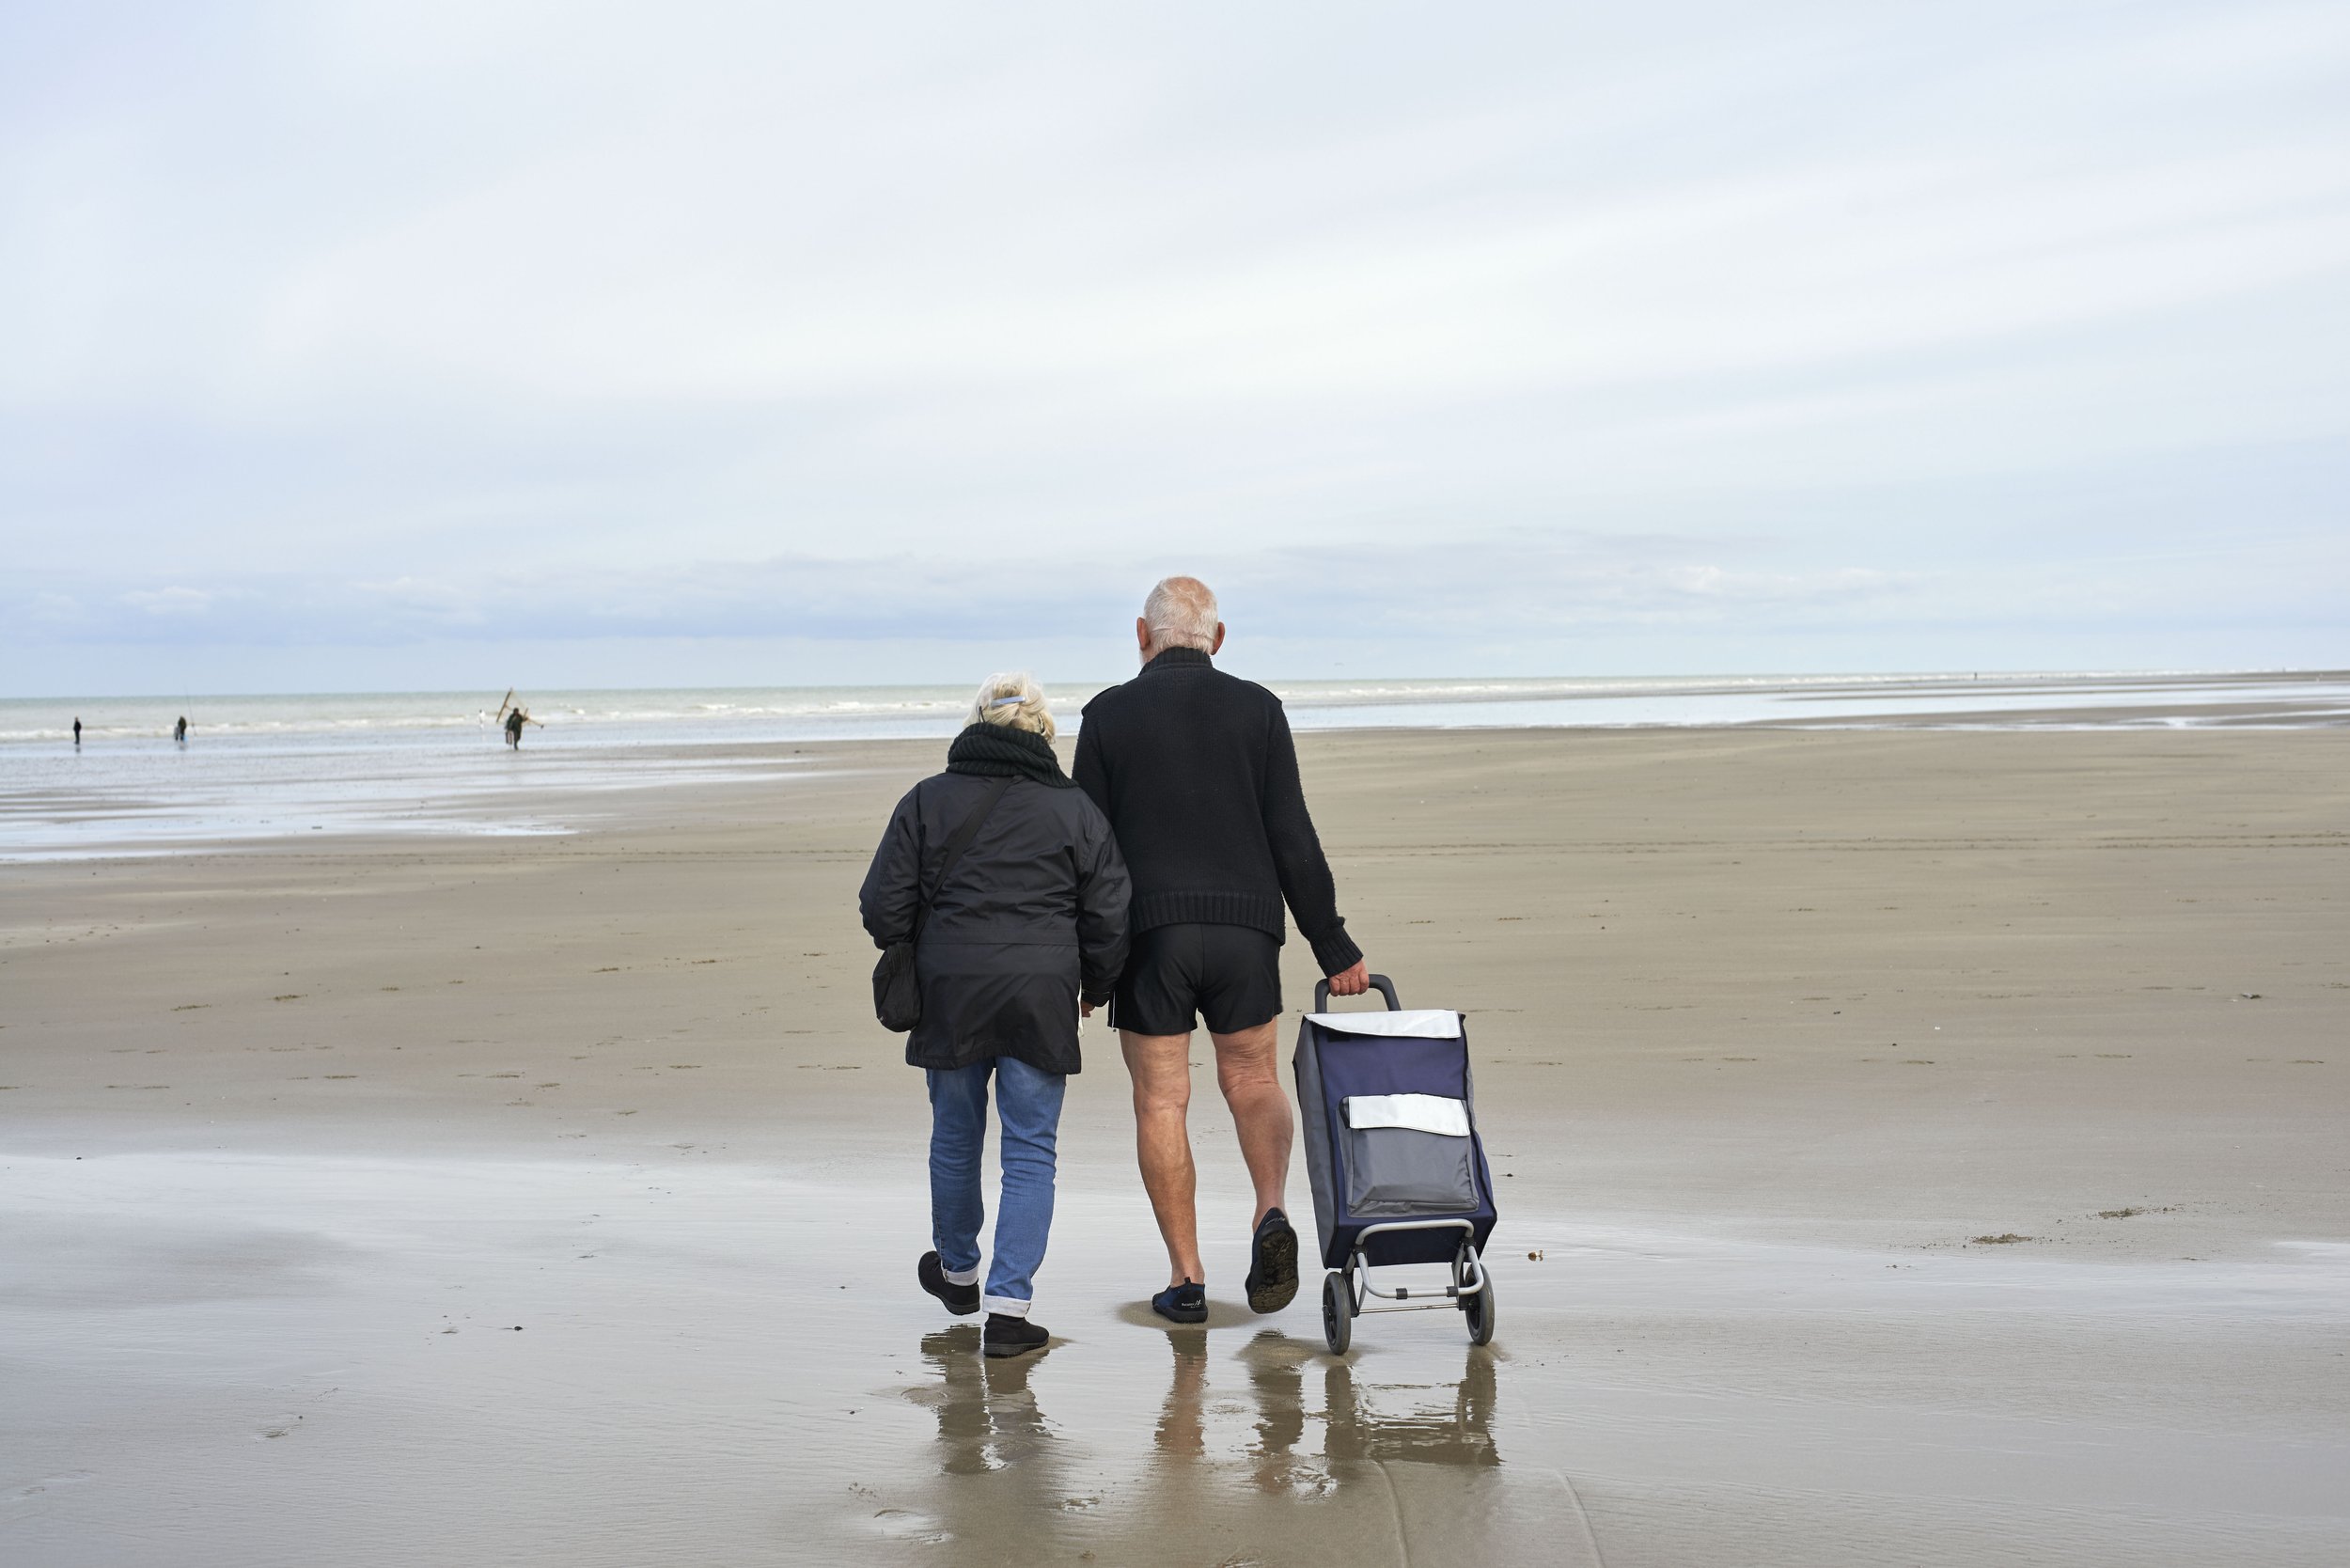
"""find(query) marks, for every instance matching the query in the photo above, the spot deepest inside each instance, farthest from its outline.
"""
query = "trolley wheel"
(1337, 1311)
(1478, 1309)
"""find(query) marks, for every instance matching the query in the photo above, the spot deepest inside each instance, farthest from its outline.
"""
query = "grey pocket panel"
(1396, 1172)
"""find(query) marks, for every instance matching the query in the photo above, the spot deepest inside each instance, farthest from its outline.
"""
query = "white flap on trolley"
(1419, 1113)
(1428, 1023)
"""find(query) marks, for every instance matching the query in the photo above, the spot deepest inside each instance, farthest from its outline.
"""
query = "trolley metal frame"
(1471, 1291)
(1468, 1272)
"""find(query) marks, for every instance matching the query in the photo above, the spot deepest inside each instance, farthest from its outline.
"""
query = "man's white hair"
(1013, 699)
(1180, 613)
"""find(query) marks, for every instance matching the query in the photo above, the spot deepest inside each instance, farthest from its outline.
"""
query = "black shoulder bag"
(896, 993)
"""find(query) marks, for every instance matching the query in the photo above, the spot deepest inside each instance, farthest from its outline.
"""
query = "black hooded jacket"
(1033, 919)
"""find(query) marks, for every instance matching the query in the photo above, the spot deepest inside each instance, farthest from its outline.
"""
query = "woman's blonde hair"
(1014, 699)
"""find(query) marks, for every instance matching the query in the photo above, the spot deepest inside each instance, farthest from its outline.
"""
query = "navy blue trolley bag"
(1398, 1171)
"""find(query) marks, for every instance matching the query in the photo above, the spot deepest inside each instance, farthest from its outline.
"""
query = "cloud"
(1534, 585)
(175, 603)
(393, 323)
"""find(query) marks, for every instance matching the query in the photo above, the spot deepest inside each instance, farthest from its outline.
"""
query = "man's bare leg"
(1248, 1072)
(1160, 1065)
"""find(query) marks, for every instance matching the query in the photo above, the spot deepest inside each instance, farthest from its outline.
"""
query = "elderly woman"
(1026, 931)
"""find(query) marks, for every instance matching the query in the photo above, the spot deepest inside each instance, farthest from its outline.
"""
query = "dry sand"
(556, 1200)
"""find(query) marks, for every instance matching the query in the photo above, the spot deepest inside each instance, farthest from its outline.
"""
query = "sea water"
(275, 766)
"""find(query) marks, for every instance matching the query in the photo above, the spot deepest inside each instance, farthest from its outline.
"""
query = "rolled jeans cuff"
(961, 1276)
(1005, 1305)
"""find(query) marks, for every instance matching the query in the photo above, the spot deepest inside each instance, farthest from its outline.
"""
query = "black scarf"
(993, 751)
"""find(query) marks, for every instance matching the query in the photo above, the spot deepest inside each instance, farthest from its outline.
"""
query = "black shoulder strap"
(956, 845)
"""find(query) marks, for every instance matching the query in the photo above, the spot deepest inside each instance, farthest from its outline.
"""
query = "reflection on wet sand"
(990, 1430)
(1461, 1436)
(987, 1418)
(1236, 1467)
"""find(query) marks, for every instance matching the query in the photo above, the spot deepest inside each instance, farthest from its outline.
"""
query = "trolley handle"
(1379, 984)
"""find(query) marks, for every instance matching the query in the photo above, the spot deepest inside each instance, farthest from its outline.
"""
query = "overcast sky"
(412, 345)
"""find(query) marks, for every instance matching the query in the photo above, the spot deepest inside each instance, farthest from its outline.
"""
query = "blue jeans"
(1028, 1105)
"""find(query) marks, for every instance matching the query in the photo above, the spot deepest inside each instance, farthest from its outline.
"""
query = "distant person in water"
(180, 731)
(77, 732)
(514, 730)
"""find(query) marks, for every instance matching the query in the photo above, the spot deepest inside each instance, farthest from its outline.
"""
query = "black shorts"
(1229, 976)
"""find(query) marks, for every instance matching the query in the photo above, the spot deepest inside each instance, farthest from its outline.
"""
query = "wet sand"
(554, 1200)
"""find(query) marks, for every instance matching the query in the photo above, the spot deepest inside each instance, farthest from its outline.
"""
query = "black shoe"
(1183, 1303)
(961, 1300)
(1273, 1264)
(1006, 1335)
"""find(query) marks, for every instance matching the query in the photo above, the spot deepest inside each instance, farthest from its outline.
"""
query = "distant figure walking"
(180, 731)
(512, 716)
(77, 731)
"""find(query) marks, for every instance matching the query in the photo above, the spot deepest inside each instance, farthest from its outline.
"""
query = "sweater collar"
(995, 750)
(1177, 658)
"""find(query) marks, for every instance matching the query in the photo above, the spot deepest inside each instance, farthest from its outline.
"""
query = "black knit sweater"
(1198, 774)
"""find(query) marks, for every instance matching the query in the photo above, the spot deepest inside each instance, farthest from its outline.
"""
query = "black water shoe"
(961, 1300)
(1183, 1303)
(1273, 1264)
(1007, 1336)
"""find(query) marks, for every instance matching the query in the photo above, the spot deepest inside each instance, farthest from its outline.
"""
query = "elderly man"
(1198, 774)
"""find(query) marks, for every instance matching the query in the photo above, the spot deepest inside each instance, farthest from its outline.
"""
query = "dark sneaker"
(1183, 1303)
(961, 1300)
(1006, 1335)
(1273, 1264)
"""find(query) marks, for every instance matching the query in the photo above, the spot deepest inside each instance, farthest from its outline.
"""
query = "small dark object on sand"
(2007, 1239)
